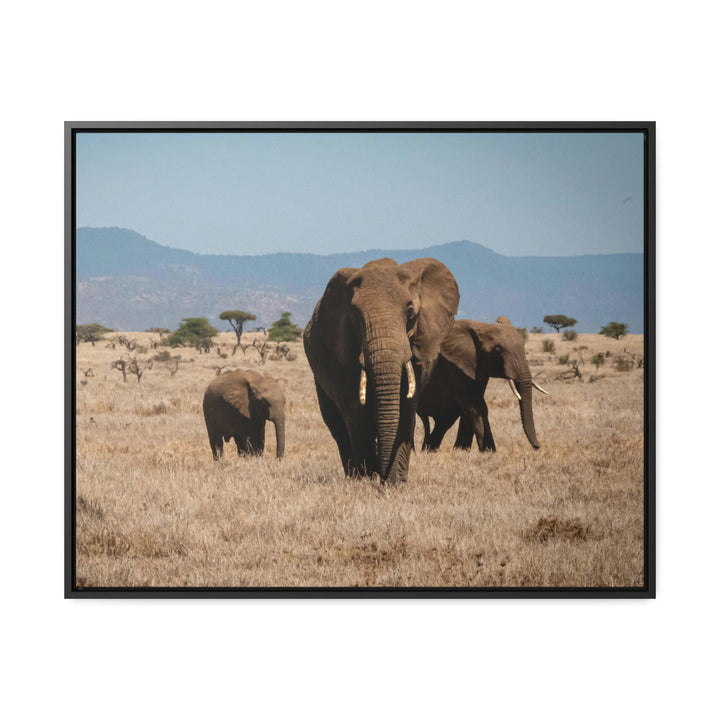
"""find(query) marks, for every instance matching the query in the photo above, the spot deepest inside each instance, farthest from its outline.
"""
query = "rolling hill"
(128, 282)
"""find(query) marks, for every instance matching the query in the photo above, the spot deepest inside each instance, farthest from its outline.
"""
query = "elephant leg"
(260, 445)
(353, 436)
(481, 427)
(244, 442)
(426, 431)
(442, 424)
(465, 434)
(336, 424)
(216, 445)
(363, 457)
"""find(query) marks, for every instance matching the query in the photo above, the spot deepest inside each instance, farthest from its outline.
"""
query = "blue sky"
(255, 193)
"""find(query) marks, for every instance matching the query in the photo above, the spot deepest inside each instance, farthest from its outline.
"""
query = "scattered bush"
(570, 335)
(282, 352)
(614, 330)
(191, 332)
(579, 350)
(535, 330)
(91, 333)
(165, 356)
(598, 360)
(563, 359)
(548, 346)
(283, 330)
(623, 364)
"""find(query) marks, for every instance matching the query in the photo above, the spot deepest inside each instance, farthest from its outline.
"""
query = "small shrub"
(570, 335)
(535, 330)
(164, 356)
(548, 346)
(579, 350)
(563, 359)
(598, 360)
(623, 364)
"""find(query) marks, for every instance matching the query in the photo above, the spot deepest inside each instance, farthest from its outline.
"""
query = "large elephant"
(372, 342)
(472, 353)
(237, 405)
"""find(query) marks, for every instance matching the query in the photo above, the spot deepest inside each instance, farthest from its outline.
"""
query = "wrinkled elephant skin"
(472, 353)
(372, 342)
(237, 405)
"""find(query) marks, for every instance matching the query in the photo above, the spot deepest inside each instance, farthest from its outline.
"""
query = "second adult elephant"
(237, 405)
(472, 353)
(372, 342)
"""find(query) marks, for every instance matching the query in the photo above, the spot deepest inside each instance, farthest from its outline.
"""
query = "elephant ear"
(460, 347)
(256, 393)
(330, 319)
(236, 391)
(266, 387)
(438, 297)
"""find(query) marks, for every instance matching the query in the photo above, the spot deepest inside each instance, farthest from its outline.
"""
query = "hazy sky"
(238, 193)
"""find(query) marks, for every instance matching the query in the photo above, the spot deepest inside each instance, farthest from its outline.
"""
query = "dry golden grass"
(154, 510)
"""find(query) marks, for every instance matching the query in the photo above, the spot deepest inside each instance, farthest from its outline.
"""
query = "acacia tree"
(614, 330)
(559, 321)
(283, 330)
(91, 333)
(236, 318)
(191, 332)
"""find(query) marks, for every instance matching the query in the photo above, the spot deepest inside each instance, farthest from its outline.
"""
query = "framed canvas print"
(360, 359)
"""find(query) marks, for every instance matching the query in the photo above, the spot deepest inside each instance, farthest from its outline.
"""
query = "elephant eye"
(410, 315)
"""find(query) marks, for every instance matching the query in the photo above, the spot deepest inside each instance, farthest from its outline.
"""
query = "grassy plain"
(154, 510)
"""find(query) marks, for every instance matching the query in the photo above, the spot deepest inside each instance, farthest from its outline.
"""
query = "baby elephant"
(237, 405)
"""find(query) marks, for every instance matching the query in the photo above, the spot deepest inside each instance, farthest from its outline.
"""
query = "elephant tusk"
(537, 387)
(411, 378)
(514, 389)
(363, 386)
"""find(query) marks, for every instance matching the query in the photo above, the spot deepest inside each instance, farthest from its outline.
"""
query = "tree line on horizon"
(194, 331)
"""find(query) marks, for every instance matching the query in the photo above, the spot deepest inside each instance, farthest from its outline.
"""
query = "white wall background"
(370, 61)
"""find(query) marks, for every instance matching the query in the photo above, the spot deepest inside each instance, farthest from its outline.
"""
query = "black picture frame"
(648, 590)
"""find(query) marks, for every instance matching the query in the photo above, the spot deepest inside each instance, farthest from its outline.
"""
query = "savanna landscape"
(154, 510)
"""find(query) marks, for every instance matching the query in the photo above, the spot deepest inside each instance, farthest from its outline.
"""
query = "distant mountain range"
(127, 282)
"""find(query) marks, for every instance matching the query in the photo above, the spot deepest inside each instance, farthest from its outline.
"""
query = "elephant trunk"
(280, 436)
(526, 412)
(385, 361)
